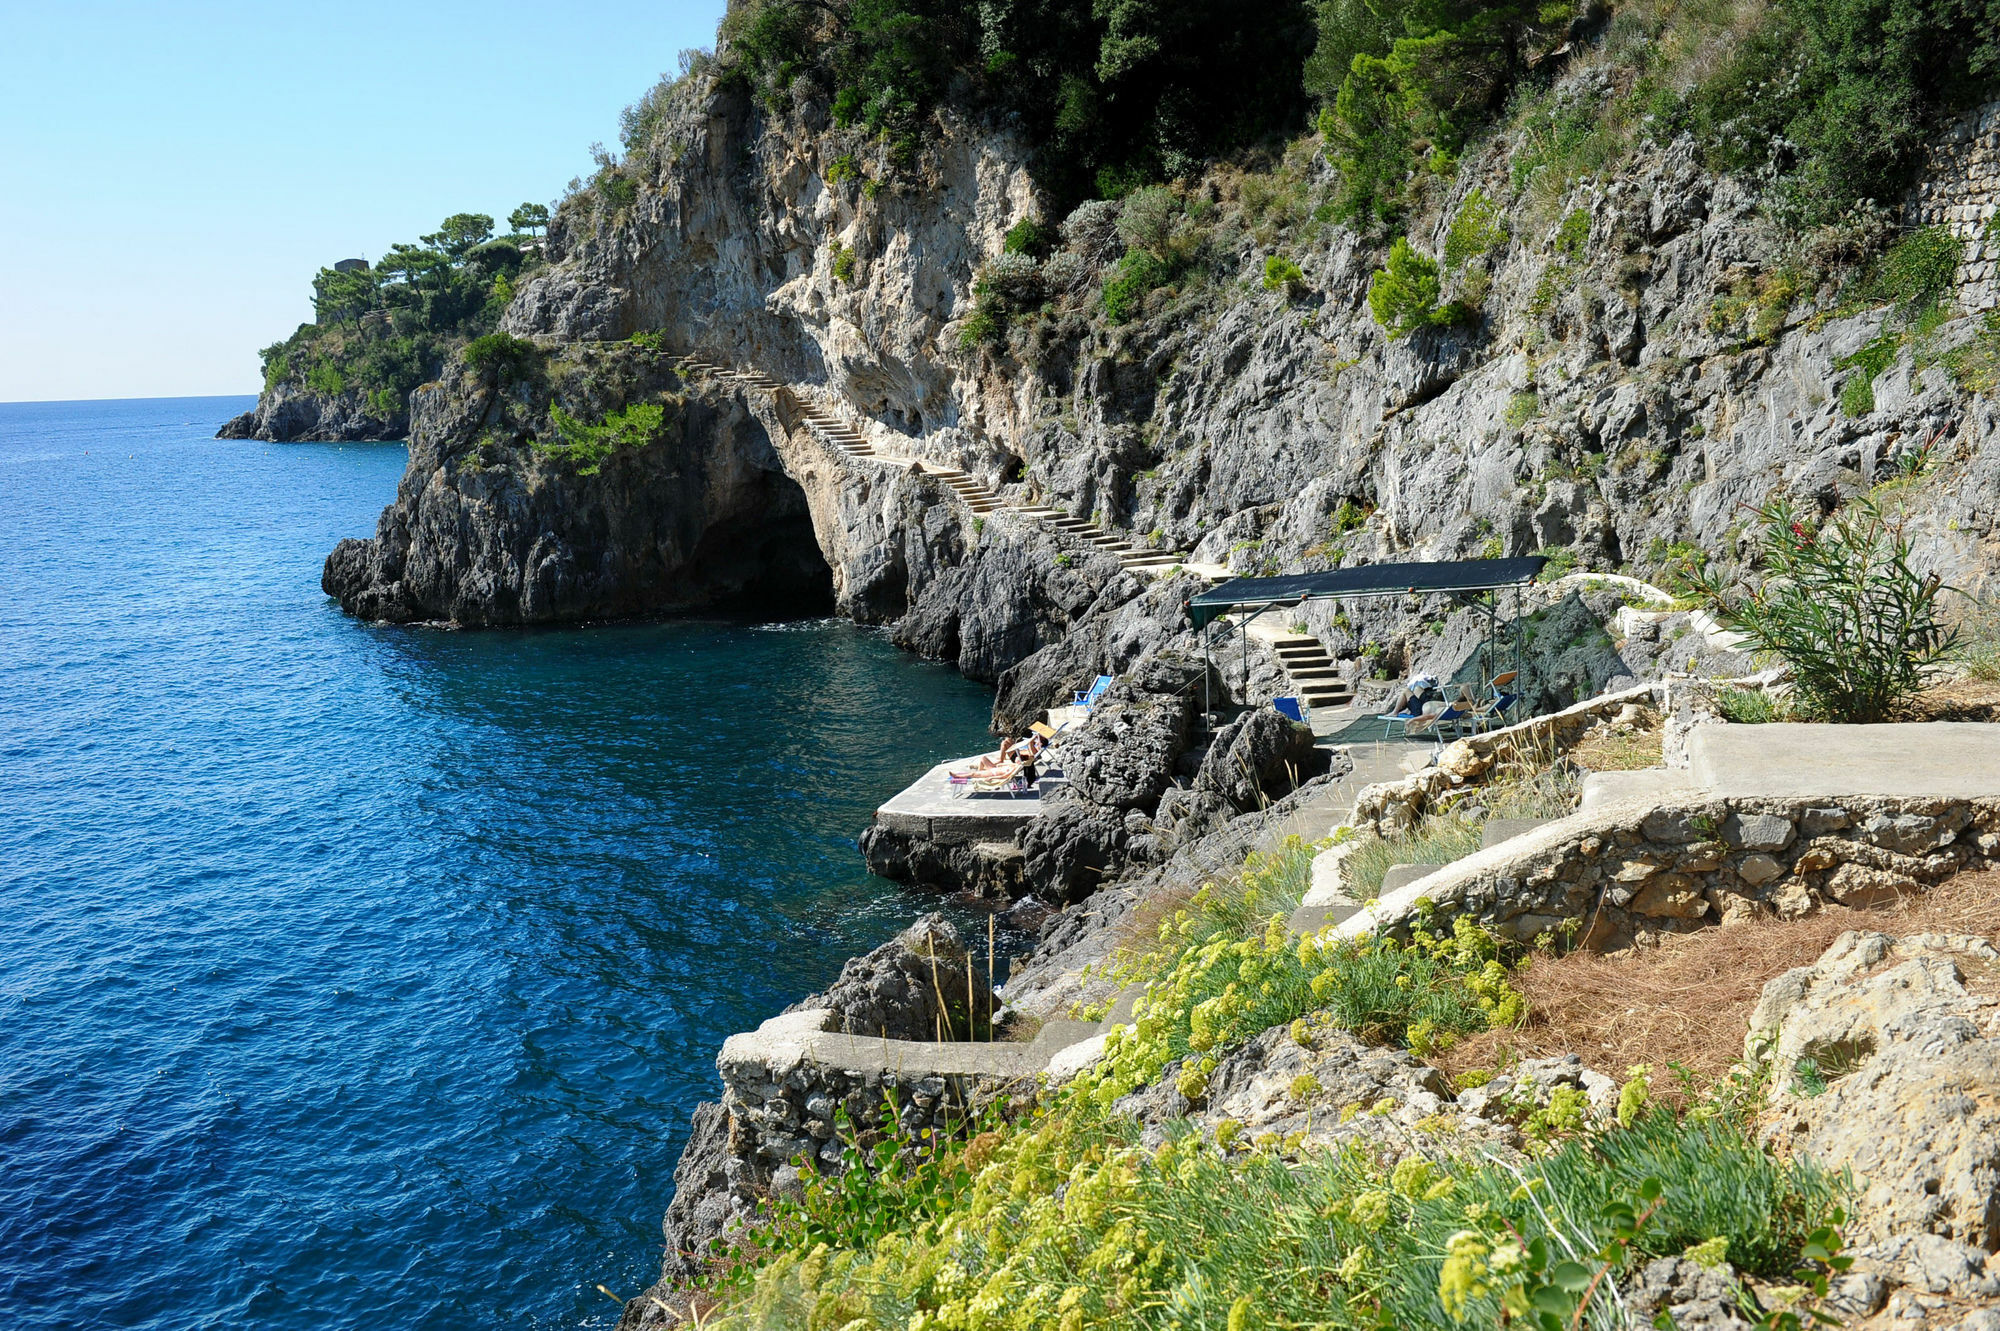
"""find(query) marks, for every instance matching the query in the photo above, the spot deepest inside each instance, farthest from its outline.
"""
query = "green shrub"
(1522, 408)
(1135, 275)
(1030, 236)
(326, 378)
(1403, 295)
(1573, 235)
(1843, 607)
(1350, 516)
(616, 188)
(500, 356)
(982, 327)
(843, 263)
(1916, 272)
(1839, 98)
(844, 168)
(589, 447)
(1150, 219)
(1281, 274)
(1475, 232)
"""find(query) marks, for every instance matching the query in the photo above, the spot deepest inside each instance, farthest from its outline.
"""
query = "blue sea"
(355, 976)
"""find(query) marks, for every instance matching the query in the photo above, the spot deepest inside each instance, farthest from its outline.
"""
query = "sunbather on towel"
(1011, 754)
(1415, 693)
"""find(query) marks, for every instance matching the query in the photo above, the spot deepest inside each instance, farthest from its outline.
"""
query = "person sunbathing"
(1014, 753)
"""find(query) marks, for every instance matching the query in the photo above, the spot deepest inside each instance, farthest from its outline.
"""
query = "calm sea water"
(361, 977)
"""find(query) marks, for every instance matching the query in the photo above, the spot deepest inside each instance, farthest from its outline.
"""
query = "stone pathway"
(843, 438)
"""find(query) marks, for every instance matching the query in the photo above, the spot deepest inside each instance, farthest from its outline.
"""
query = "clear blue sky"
(174, 174)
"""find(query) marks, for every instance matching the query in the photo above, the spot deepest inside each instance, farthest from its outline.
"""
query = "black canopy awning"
(1456, 575)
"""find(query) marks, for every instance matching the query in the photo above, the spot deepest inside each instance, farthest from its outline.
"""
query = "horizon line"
(85, 401)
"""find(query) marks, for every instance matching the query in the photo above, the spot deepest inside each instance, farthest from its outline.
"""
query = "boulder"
(906, 989)
(1884, 1062)
(1258, 757)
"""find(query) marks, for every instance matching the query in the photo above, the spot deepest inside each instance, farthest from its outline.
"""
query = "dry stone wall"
(1640, 869)
(1961, 192)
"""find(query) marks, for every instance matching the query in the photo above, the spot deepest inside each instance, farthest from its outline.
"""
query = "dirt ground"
(1687, 1002)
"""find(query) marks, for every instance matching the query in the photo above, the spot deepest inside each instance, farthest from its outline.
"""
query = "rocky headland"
(1635, 354)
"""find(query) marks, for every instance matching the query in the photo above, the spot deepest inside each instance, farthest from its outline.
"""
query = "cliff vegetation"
(379, 330)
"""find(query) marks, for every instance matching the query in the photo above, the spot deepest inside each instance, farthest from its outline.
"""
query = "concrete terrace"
(932, 808)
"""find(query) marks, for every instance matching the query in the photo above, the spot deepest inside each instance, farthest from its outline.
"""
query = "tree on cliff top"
(1113, 93)
(531, 218)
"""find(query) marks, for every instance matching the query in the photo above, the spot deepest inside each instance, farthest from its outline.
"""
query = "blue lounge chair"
(1087, 698)
(1290, 707)
(1496, 711)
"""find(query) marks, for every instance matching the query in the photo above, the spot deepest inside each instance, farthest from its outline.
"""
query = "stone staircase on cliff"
(1315, 678)
(843, 438)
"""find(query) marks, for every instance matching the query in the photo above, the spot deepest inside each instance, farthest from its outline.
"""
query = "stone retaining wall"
(1642, 868)
(1961, 192)
(1394, 806)
(784, 1082)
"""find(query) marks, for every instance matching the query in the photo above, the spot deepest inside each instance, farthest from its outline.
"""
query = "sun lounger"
(1493, 713)
(1290, 707)
(1436, 723)
(1087, 698)
(1401, 721)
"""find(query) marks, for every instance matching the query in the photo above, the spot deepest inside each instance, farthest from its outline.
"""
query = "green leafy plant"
(1281, 274)
(1522, 408)
(1573, 235)
(1138, 273)
(1843, 606)
(501, 356)
(1403, 295)
(1030, 236)
(1475, 232)
(844, 260)
(1916, 273)
(1749, 707)
(589, 447)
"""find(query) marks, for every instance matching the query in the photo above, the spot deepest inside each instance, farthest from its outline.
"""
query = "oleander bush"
(1844, 607)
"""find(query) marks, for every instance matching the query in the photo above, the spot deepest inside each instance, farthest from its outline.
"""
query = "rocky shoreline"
(1622, 392)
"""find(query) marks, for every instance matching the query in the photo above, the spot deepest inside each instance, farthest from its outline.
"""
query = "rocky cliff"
(293, 413)
(1642, 363)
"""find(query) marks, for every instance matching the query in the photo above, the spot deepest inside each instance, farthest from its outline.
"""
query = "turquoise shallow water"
(359, 977)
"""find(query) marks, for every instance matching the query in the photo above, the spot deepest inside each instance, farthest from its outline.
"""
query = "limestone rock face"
(486, 529)
(1885, 1062)
(292, 413)
(1260, 755)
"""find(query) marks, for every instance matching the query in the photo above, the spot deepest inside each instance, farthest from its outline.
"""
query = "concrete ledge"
(793, 1040)
(1659, 783)
(932, 809)
(1927, 760)
(1497, 830)
(1400, 876)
